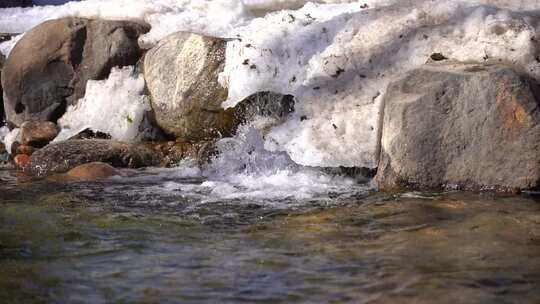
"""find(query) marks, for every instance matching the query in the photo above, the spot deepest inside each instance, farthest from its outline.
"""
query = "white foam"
(245, 171)
(4, 131)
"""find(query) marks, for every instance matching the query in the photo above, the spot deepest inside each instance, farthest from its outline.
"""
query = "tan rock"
(182, 76)
(38, 133)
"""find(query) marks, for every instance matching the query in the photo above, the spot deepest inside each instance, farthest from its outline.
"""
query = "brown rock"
(173, 152)
(38, 133)
(49, 67)
(64, 156)
(25, 149)
(21, 160)
(91, 172)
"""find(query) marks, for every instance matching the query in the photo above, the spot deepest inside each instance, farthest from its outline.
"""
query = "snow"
(165, 16)
(9, 138)
(337, 61)
(115, 106)
(7, 46)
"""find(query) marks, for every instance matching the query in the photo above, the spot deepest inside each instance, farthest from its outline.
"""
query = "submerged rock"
(461, 125)
(49, 67)
(64, 156)
(91, 172)
(38, 133)
(182, 77)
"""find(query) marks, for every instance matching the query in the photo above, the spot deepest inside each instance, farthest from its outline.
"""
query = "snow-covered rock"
(337, 61)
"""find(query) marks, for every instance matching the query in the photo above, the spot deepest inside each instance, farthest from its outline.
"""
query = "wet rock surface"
(266, 104)
(465, 126)
(91, 172)
(181, 72)
(49, 67)
(64, 156)
(171, 153)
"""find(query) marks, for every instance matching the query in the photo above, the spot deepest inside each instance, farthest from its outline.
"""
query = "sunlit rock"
(463, 125)
(38, 133)
(182, 76)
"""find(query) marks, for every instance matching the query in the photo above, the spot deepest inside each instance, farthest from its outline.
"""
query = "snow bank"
(209, 17)
(337, 61)
(165, 16)
(115, 106)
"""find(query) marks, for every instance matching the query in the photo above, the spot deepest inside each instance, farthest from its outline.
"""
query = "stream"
(157, 237)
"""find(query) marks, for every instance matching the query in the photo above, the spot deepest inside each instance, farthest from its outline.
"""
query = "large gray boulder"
(49, 67)
(181, 73)
(64, 156)
(463, 126)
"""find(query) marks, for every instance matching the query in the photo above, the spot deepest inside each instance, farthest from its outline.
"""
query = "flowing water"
(158, 237)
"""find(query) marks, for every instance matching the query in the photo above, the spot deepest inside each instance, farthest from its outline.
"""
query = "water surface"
(141, 241)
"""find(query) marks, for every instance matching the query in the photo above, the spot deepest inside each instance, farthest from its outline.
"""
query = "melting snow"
(115, 106)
